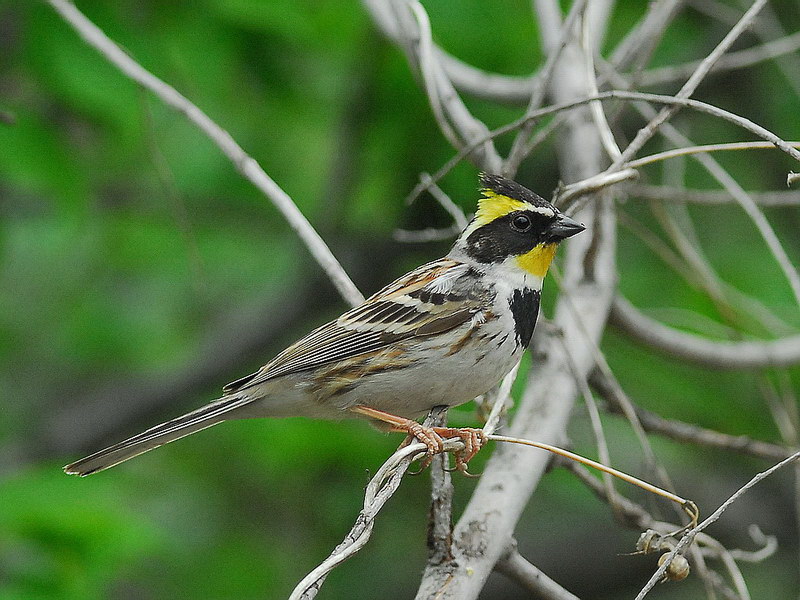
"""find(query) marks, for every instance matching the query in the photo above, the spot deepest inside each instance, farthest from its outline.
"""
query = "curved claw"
(461, 467)
(473, 440)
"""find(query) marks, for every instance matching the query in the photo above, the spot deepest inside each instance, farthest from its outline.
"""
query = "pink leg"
(432, 437)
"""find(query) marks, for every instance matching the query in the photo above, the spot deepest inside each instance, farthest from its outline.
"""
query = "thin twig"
(244, 163)
(516, 567)
(591, 185)
(646, 132)
(676, 152)
(714, 517)
(597, 429)
(596, 107)
(687, 432)
(663, 193)
(520, 148)
(478, 82)
(687, 505)
(638, 45)
(768, 543)
(746, 307)
(727, 181)
(697, 105)
(459, 218)
(456, 122)
(501, 401)
(733, 60)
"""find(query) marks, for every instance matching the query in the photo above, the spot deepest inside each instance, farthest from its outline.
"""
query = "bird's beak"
(565, 227)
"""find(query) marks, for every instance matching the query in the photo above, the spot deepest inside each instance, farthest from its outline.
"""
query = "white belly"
(435, 376)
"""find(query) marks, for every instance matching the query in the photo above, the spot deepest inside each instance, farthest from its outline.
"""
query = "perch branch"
(380, 488)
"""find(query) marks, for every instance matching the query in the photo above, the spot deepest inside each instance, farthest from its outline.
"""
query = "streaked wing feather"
(401, 310)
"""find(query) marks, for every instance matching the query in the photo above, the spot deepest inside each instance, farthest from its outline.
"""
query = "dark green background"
(140, 273)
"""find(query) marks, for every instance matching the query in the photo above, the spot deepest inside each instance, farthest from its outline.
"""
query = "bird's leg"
(426, 435)
(432, 437)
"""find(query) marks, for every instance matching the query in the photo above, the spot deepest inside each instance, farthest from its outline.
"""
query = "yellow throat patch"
(537, 261)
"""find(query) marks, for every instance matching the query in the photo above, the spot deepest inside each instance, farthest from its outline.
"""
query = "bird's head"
(514, 227)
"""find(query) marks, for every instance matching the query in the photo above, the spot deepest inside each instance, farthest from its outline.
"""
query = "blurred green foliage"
(126, 236)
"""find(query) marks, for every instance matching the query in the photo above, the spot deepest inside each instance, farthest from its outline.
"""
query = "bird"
(440, 335)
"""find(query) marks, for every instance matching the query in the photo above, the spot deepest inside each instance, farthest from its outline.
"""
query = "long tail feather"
(202, 418)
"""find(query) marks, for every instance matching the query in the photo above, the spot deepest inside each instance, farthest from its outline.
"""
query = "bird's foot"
(432, 437)
(473, 440)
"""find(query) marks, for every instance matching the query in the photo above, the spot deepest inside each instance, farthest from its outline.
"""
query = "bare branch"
(663, 193)
(514, 566)
(440, 521)
(592, 183)
(477, 82)
(745, 307)
(646, 132)
(548, 19)
(502, 400)
(632, 514)
(244, 163)
(380, 488)
(637, 517)
(603, 452)
(716, 354)
(686, 432)
(596, 107)
(734, 60)
(643, 38)
(549, 22)
(678, 152)
(714, 517)
(747, 204)
(457, 124)
(768, 543)
(459, 218)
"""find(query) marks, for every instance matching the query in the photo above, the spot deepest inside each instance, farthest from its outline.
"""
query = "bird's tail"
(202, 418)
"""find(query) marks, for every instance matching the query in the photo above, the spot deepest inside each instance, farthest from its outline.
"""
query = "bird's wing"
(430, 299)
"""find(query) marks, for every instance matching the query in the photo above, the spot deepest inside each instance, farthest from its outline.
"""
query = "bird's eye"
(521, 223)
